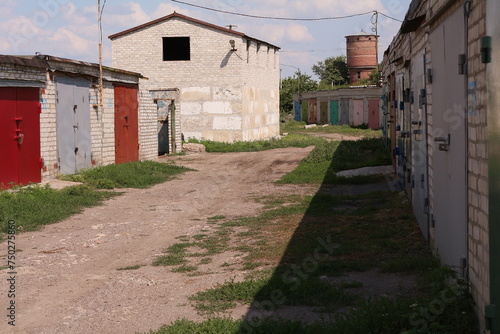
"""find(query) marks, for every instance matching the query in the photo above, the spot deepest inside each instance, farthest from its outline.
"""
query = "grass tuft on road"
(140, 174)
(35, 206)
(293, 140)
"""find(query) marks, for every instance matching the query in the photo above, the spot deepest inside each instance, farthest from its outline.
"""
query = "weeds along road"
(67, 277)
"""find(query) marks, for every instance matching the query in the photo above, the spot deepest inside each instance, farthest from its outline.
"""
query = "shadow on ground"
(354, 242)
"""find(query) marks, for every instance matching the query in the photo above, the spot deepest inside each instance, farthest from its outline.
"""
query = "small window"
(359, 75)
(176, 48)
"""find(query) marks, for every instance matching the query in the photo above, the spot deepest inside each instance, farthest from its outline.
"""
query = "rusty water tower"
(361, 56)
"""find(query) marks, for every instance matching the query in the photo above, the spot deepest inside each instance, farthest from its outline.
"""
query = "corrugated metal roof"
(187, 18)
(17, 60)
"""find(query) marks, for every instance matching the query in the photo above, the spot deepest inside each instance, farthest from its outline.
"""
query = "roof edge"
(184, 17)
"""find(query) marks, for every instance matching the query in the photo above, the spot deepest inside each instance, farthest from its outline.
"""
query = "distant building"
(361, 56)
(227, 82)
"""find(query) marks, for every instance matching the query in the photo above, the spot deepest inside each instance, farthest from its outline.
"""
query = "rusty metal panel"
(126, 124)
(373, 114)
(323, 109)
(449, 145)
(357, 112)
(74, 145)
(312, 111)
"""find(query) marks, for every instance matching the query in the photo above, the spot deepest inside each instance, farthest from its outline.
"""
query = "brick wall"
(224, 95)
(478, 162)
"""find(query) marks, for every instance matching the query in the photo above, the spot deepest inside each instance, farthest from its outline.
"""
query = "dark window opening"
(359, 75)
(176, 48)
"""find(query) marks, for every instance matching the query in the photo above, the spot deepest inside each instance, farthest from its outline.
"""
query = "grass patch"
(140, 174)
(36, 206)
(130, 267)
(293, 140)
(184, 269)
(295, 127)
(330, 157)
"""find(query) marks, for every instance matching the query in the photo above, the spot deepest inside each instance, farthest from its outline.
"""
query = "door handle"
(446, 141)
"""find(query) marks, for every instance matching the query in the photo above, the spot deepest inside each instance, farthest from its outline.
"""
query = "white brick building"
(228, 82)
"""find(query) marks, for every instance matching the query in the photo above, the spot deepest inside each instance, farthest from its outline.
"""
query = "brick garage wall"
(212, 84)
(478, 236)
(148, 126)
(48, 128)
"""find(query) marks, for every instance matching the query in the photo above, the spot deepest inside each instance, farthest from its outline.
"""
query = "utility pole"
(99, 24)
(375, 29)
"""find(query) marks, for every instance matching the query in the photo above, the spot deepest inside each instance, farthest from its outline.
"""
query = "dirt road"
(67, 279)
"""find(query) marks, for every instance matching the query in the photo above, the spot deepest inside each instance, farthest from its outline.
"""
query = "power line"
(273, 17)
(389, 17)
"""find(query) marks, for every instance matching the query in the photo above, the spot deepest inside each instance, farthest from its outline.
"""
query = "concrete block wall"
(219, 88)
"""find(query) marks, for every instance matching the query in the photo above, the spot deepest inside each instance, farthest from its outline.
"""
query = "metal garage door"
(334, 112)
(419, 149)
(373, 114)
(74, 144)
(344, 111)
(312, 111)
(449, 149)
(297, 111)
(357, 112)
(323, 109)
(19, 136)
(126, 124)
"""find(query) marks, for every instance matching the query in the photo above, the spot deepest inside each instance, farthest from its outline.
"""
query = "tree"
(332, 71)
(294, 85)
(374, 78)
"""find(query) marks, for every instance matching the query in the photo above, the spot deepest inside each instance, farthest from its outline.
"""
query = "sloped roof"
(187, 18)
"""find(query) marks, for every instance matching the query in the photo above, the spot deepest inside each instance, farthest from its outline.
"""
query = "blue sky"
(68, 28)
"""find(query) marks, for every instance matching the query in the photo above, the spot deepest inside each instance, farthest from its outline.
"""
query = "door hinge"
(426, 205)
(42, 163)
(490, 316)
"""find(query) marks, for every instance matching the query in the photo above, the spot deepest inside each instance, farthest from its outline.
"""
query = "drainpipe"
(493, 84)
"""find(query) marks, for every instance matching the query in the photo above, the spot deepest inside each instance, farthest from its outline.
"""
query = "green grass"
(130, 267)
(294, 127)
(330, 157)
(141, 174)
(36, 206)
(294, 140)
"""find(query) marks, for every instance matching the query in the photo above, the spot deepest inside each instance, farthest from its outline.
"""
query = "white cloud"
(165, 9)
(75, 45)
(7, 8)
(279, 33)
(73, 15)
(132, 16)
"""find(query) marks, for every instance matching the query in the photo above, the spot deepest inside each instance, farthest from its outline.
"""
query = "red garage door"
(19, 136)
(126, 124)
